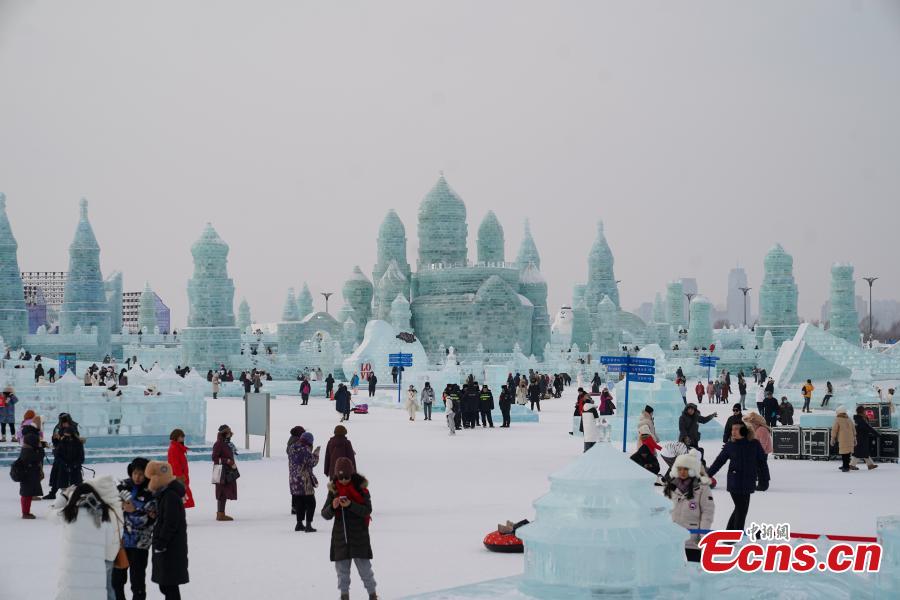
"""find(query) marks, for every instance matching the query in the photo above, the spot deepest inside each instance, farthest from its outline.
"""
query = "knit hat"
(9, 390)
(841, 409)
(736, 405)
(648, 409)
(343, 466)
(160, 475)
(29, 414)
(340, 431)
(138, 464)
(297, 431)
(306, 438)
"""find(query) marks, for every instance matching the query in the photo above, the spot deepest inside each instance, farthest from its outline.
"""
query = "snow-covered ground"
(434, 497)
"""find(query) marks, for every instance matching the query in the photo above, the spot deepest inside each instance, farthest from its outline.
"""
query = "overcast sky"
(700, 132)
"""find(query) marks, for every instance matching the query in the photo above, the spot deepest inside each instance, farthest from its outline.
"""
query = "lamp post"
(870, 281)
(327, 296)
(745, 290)
(690, 296)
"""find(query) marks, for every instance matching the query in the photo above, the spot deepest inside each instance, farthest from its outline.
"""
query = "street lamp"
(745, 290)
(870, 281)
(327, 296)
(689, 297)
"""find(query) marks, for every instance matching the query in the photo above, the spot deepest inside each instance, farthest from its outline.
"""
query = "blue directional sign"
(400, 359)
(641, 362)
(614, 360)
(634, 370)
(641, 378)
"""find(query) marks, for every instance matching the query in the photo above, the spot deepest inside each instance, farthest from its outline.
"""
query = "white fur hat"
(689, 462)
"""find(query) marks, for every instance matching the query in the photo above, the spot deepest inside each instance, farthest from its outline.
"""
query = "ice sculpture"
(290, 331)
(211, 336)
(147, 310)
(561, 330)
(606, 333)
(601, 509)
(843, 320)
(13, 314)
(84, 298)
(113, 287)
(243, 319)
(582, 332)
(379, 340)
(487, 303)
(533, 286)
(391, 245)
(601, 278)
(442, 228)
(887, 582)
(304, 301)
(349, 335)
(658, 331)
(290, 312)
(700, 334)
(528, 252)
(391, 284)
(358, 292)
(490, 242)
(401, 316)
(778, 297)
(675, 304)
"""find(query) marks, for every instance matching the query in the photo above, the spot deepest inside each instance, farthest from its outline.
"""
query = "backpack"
(17, 471)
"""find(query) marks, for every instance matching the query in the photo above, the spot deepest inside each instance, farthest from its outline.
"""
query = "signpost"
(256, 420)
(710, 363)
(400, 360)
(639, 370)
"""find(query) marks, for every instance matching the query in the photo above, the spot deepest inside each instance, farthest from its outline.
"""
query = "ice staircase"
(203, 452)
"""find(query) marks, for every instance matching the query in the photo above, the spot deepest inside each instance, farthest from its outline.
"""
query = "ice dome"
(490, 240)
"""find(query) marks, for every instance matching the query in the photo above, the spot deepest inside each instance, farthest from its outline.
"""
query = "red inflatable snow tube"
(503, 542)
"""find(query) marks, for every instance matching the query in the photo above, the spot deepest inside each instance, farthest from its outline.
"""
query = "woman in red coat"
(178, 459)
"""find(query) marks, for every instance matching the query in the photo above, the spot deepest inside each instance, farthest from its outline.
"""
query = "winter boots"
(873, 466)
(220, 516)
(309, 528)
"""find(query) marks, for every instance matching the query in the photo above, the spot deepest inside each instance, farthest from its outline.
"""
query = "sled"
(361, 409)
(503, 542)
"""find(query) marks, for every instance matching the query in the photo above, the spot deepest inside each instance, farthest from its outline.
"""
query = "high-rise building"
(131, 308)
(52, 285)
(734, 302)
(778, 298)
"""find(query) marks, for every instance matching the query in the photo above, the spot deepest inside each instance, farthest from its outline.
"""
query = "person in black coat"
(170, 547)
(470, 399)
(329, 385)
(350, 505)
(505, 402)
(534, 394)
(689, 426)
(485, 406)
(595, 383)
(68, 456)
(748, 470)
(865, 434)
(342, 402)
(771, 408)
(736, 418)
(372, 381)
(31, 461)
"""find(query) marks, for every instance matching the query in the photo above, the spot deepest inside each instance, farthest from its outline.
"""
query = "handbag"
(216, 474)
(121, 561)
(230, 475)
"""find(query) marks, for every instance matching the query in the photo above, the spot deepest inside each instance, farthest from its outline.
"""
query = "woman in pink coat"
(761, 431)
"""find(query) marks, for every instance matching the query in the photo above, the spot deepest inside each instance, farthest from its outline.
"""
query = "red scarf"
(351, 493)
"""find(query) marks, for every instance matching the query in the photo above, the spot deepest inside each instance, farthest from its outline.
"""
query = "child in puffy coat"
(692, 503)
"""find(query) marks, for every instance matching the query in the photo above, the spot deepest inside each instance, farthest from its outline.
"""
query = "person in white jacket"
(91, 515)
(412, 402)
(590, 423)
(646, 418)
(692, 503)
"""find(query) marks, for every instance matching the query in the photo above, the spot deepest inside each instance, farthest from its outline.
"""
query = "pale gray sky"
(700, 132)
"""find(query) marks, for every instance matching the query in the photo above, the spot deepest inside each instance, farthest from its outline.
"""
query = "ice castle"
(778, 297)
(490, 305)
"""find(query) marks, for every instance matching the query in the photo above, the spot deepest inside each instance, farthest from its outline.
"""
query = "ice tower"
(778, 297)
(290, 312)
(606, 333)
(304, 301)
(391, 246)
(601, 278)
(490, 240)
(84, 298)
(675, 304)
(391, 284)
(13, 314)
(400, 315)
(533, 286)
(290, 330)
(528, 252)
(113, 287)
(358, 292)
(843, 320)
(243, 319)
(147, 311)
(582, 335)
(443, 232)
(211, 337)
(700, 333)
